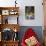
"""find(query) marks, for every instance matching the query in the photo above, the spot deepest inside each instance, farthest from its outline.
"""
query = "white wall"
(38, 21)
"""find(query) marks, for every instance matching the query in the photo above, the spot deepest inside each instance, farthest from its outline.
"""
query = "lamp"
(15, 37)
(15, 30)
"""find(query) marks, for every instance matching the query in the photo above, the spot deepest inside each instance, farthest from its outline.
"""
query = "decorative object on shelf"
(15, 37)
(29, 12)
(5, 12)
(13, 12)
(15, 34)
(7, 34)
(6, 21)
(15, 3)
(15, 30)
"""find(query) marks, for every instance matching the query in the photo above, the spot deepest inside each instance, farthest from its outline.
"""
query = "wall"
(38, 21)
(7, 3)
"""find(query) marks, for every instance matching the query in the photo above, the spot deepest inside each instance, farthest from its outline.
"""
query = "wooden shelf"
(4, 13)
(10, 43)
(9, 8)
(11, 26)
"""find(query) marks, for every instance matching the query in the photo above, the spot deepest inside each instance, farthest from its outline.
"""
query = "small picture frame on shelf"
(13, 13)
(5, 12)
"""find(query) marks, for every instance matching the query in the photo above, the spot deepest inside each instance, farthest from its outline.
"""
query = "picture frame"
(29, 12)
(5, 12)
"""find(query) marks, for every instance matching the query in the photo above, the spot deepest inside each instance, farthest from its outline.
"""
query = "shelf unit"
(8, 11)
(5, 26)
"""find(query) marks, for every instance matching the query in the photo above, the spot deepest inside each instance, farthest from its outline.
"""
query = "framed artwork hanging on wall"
(29, 12)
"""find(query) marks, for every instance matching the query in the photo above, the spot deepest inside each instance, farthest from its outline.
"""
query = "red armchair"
(29, 36)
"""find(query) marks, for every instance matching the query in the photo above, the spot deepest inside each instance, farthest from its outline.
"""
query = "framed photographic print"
(29, 12)
(5, 12)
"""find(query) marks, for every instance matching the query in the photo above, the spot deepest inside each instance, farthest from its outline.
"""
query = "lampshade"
(15, 30)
